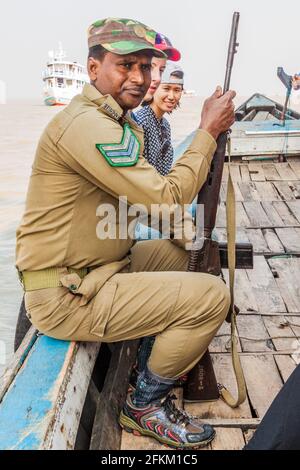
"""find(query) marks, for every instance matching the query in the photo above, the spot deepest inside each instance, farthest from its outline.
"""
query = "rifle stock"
(202, 384)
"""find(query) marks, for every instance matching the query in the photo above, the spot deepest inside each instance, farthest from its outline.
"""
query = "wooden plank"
(42, 407)
(295, 166)
(249, 191)
(243, 423)
(241, 235)
(242, 219)
(63, 431)
(221, 215)
(270, 172)
(252, 327)
(294, 206)
(112, 397)
(221, 342)
(264, 287)
(267, 191)
(290, 238)
(256, 214)
(223, 191)
(273, 215)
(286, 270)
(285, 213)
(272, 241)
(295, 188)
(228, 439)
(244, 295)
(257, 239)
(283, 336)
(262, 379)
(256, 172)
(284, 190)
(219, 409)
(295, 324)
(285, 171)
(286, 365)
(245, 175)
(131, 442)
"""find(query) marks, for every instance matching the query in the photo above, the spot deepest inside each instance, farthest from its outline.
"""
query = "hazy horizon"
(267, 35)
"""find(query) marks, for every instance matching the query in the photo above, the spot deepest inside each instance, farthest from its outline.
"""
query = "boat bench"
(43, 391)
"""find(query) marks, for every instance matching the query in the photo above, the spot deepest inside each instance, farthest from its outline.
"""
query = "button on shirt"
(158, 148)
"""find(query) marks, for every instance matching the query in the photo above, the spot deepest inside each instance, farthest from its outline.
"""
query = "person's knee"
(224, 292)
(217, 297)
(221, 297)
(207, 297)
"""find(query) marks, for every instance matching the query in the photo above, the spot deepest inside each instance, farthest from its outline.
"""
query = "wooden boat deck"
(268, 215)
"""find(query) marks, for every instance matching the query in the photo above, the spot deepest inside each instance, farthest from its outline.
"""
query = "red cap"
(164, 44)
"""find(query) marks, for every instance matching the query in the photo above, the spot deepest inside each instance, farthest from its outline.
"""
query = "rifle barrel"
(231, 50)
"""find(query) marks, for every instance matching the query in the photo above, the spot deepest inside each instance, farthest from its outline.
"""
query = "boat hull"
(52, 100)
(60, 96)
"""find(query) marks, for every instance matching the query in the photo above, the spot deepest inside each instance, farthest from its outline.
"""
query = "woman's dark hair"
(148, 102)
(97, 52)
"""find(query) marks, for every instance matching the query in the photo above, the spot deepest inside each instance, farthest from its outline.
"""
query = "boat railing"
(64, 74)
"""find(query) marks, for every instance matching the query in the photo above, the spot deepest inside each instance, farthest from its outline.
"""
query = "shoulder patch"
(126, 153)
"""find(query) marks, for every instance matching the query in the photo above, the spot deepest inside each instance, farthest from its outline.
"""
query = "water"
(20, 127)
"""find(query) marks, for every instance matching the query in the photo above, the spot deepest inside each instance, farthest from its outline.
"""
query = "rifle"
(202, 384)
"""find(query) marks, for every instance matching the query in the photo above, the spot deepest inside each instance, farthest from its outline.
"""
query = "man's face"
(125, 77)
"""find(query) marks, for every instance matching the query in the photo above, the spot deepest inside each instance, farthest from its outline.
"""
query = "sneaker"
(165, 423)
(134, 375)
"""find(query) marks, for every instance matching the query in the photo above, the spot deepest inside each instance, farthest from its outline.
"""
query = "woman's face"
(167, 96)
(157, 68)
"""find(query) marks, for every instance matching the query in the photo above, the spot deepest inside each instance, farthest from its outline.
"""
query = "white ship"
(62, 79)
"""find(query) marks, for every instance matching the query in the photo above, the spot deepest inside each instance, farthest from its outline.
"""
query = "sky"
(268, 36)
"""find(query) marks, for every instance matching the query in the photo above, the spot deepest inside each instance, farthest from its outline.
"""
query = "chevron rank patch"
(126, 153)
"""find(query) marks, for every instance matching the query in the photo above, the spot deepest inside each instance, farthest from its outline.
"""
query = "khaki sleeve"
(141, 184)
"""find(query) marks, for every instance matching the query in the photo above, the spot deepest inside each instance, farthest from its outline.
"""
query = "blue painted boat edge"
(27, 407)
(17, 362)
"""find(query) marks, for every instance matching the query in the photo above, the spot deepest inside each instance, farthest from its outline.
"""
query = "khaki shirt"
(71, 178)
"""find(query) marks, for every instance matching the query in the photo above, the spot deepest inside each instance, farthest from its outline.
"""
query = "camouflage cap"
(123, 36)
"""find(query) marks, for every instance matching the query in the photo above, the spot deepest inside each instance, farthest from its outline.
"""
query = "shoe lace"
(175, 414)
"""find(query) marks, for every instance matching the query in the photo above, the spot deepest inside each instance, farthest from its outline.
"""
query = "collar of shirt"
(106, 103)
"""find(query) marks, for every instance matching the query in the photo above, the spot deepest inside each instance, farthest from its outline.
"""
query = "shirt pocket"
(101, 308)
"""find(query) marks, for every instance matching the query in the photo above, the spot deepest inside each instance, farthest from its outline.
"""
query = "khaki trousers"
(154, 296)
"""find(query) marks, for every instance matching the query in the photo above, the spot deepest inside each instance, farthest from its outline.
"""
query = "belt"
(46, 278)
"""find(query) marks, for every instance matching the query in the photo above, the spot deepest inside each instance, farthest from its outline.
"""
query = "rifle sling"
(231, 231)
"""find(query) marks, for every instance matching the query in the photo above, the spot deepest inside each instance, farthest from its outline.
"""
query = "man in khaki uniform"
(80, 285)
